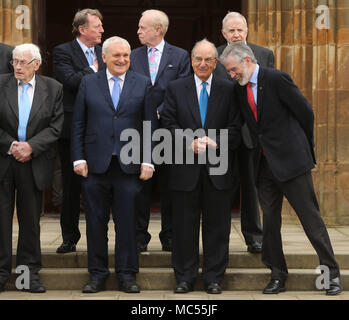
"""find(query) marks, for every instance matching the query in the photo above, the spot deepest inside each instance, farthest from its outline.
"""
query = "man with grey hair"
(234, 29)
(108, 103)
(201, 102)
(5, 57)
(281, 122)
(71, 62)
(31, 120)
(162, 63)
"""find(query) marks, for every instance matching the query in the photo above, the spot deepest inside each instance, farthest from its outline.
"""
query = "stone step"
(236, 279)
(159, 259)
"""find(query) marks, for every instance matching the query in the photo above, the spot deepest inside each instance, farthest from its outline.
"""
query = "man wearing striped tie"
(31, 120)
(201, 102)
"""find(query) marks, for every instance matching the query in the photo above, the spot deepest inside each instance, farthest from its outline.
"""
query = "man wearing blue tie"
(202, 101)
(108, 103)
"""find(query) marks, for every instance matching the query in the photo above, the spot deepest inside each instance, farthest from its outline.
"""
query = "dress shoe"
(255, 247)
(35, 287)
(183, 287)
(66, 247)
(213, 288)
(2, 287)
(167, 245)
(129, 286)
(335, 287)
(142, 247)
(274, 286)
(93, 286)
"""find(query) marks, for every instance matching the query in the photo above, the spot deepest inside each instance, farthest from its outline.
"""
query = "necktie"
(89, 56)
(203, 103)
(116, 92)
(153, 64)
(23, 112)
(250, 100)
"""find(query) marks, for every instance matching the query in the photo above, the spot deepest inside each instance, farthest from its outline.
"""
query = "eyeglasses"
(207, 60)
(21, 62)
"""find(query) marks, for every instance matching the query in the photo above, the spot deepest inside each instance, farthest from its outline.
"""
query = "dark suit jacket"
(96, 122)
(69, 67)
(5, 58)
(174, 64)
(43, 129)
(285, 125)
(181, 111)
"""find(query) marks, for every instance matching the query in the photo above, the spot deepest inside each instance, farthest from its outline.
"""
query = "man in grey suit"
(234, 29)
(31, 120)
(5, 57)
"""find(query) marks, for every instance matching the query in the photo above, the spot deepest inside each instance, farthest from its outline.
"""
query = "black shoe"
(93, 286)
(66, 247)
(142, 247)
(183, 287)
(129, 286)
(255, 247)
(167, 245)
(213, 288)
(35, 287)
(274, 286)
(335, 287)
(2, 287)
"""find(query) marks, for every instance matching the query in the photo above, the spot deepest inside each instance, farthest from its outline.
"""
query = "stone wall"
(318, 60)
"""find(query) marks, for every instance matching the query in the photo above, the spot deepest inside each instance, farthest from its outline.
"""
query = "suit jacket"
(285, 125)
(43, 129)
(97, 126)
(181, 111)
(5, 58)
(69, 67)
(174, 64)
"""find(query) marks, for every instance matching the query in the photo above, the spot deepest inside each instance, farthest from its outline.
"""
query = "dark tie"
(203, 103)
(250, 100)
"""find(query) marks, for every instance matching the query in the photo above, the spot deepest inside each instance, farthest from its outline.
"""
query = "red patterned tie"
(250, 100)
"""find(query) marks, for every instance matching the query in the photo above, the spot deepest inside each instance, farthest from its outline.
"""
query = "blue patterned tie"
(89, 55)
(203, 103)
(23, 112)
(116, 92)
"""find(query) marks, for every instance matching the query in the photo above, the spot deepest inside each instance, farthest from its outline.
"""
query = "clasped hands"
(199, 145)
(21, 151)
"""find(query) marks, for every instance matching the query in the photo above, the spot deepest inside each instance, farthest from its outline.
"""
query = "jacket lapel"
(164, 59)
(103, 84)
(79, 53)
(40, 95)
(213, 102)
(193, 103)
(144, 60)
(11, 91)
(260, 93)
(126, 90)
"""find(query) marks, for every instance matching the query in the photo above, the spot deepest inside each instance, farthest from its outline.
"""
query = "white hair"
(233, 15)
(32, 48)
(160, 18)
(114, 39)
(202, 42)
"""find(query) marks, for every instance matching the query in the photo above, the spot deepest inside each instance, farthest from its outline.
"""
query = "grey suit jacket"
(5, 58)
(44, 125)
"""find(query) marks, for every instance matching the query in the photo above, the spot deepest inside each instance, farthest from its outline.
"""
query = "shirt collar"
(84, 47)
(254, 78)
(160, 46)
(109, 75)
(31, 82)
(198, 81)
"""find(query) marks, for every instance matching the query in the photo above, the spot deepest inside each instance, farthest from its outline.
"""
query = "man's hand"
(146, 172)
(198, 146)
(209, 142)
(81, 170)
(21, 151)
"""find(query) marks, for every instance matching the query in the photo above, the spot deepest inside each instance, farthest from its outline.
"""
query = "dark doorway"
(190, 21)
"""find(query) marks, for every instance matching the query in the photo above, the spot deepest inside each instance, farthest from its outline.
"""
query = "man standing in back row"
(234, 29)
(162, 63)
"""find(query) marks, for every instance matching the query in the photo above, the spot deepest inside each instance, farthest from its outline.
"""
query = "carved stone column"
(313, 47)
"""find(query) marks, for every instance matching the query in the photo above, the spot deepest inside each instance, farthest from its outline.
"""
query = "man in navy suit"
(71, 62)
(281, 122)
(201, 102)
(165, 64)
(108, 103)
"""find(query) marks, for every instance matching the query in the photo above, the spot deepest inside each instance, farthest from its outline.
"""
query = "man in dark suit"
(31, 120)
(108, 103)
(281, 122)
(234, 29)
(205, 102)
(166, 64)
(5, 58)
(71, 62)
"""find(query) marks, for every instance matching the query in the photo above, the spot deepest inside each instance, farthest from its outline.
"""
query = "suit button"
(115, 117)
